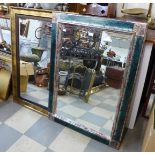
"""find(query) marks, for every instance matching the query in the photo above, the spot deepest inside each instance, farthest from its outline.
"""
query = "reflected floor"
(36, 94)
(97, 114)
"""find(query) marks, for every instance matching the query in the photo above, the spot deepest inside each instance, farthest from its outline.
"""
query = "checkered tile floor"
(97, 114)
(24, 130)
(36, 94)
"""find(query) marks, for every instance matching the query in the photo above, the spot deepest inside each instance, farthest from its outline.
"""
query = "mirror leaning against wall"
(32, 56)
(94, 73)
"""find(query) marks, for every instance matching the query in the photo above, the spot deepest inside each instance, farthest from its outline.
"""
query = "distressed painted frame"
(136, 52)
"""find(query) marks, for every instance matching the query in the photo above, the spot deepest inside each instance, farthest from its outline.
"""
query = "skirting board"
(139, 85)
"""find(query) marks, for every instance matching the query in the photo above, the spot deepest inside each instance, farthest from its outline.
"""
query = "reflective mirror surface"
(91, 75)
(150, 105)
(5, 41)
(34, 54)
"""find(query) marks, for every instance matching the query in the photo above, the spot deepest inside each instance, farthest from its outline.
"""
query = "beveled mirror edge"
(34, 13)
(140, 30)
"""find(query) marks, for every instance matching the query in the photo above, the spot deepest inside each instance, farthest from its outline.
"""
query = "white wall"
(139, 85)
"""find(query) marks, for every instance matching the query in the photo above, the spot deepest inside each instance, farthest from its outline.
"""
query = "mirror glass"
(34, 53)
(5, 41)
(150, 105)
(91, 75)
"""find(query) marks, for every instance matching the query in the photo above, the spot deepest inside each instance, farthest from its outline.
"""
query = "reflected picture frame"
(16, 13)
(138, 30)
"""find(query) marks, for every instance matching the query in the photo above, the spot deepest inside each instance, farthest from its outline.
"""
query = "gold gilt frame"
(38, 13)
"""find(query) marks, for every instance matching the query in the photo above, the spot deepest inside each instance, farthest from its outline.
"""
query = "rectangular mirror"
(34, 53)
(31, 57)
(91, 75)
(94, 69)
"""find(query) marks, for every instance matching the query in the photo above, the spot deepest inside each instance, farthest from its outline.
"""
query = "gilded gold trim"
(31, 106)
(98, 88)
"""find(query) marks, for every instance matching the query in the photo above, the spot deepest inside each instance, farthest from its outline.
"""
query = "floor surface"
(23, 130)
(97, 114)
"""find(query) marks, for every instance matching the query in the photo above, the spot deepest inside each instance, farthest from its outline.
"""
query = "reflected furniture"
(80, 81)
(38, 52)
(114, 81)
(112, 62)
(26, 69)
(5, 82)
(42, 77)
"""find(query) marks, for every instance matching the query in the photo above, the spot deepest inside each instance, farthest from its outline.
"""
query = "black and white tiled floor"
(23, 130)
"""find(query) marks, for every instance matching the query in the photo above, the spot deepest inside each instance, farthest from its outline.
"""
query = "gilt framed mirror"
(31, 46)
(94, 66)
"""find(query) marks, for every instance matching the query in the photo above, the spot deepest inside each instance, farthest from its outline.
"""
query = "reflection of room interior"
(87, 97)
(35, 57)
(5, 41)
(5, 58)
